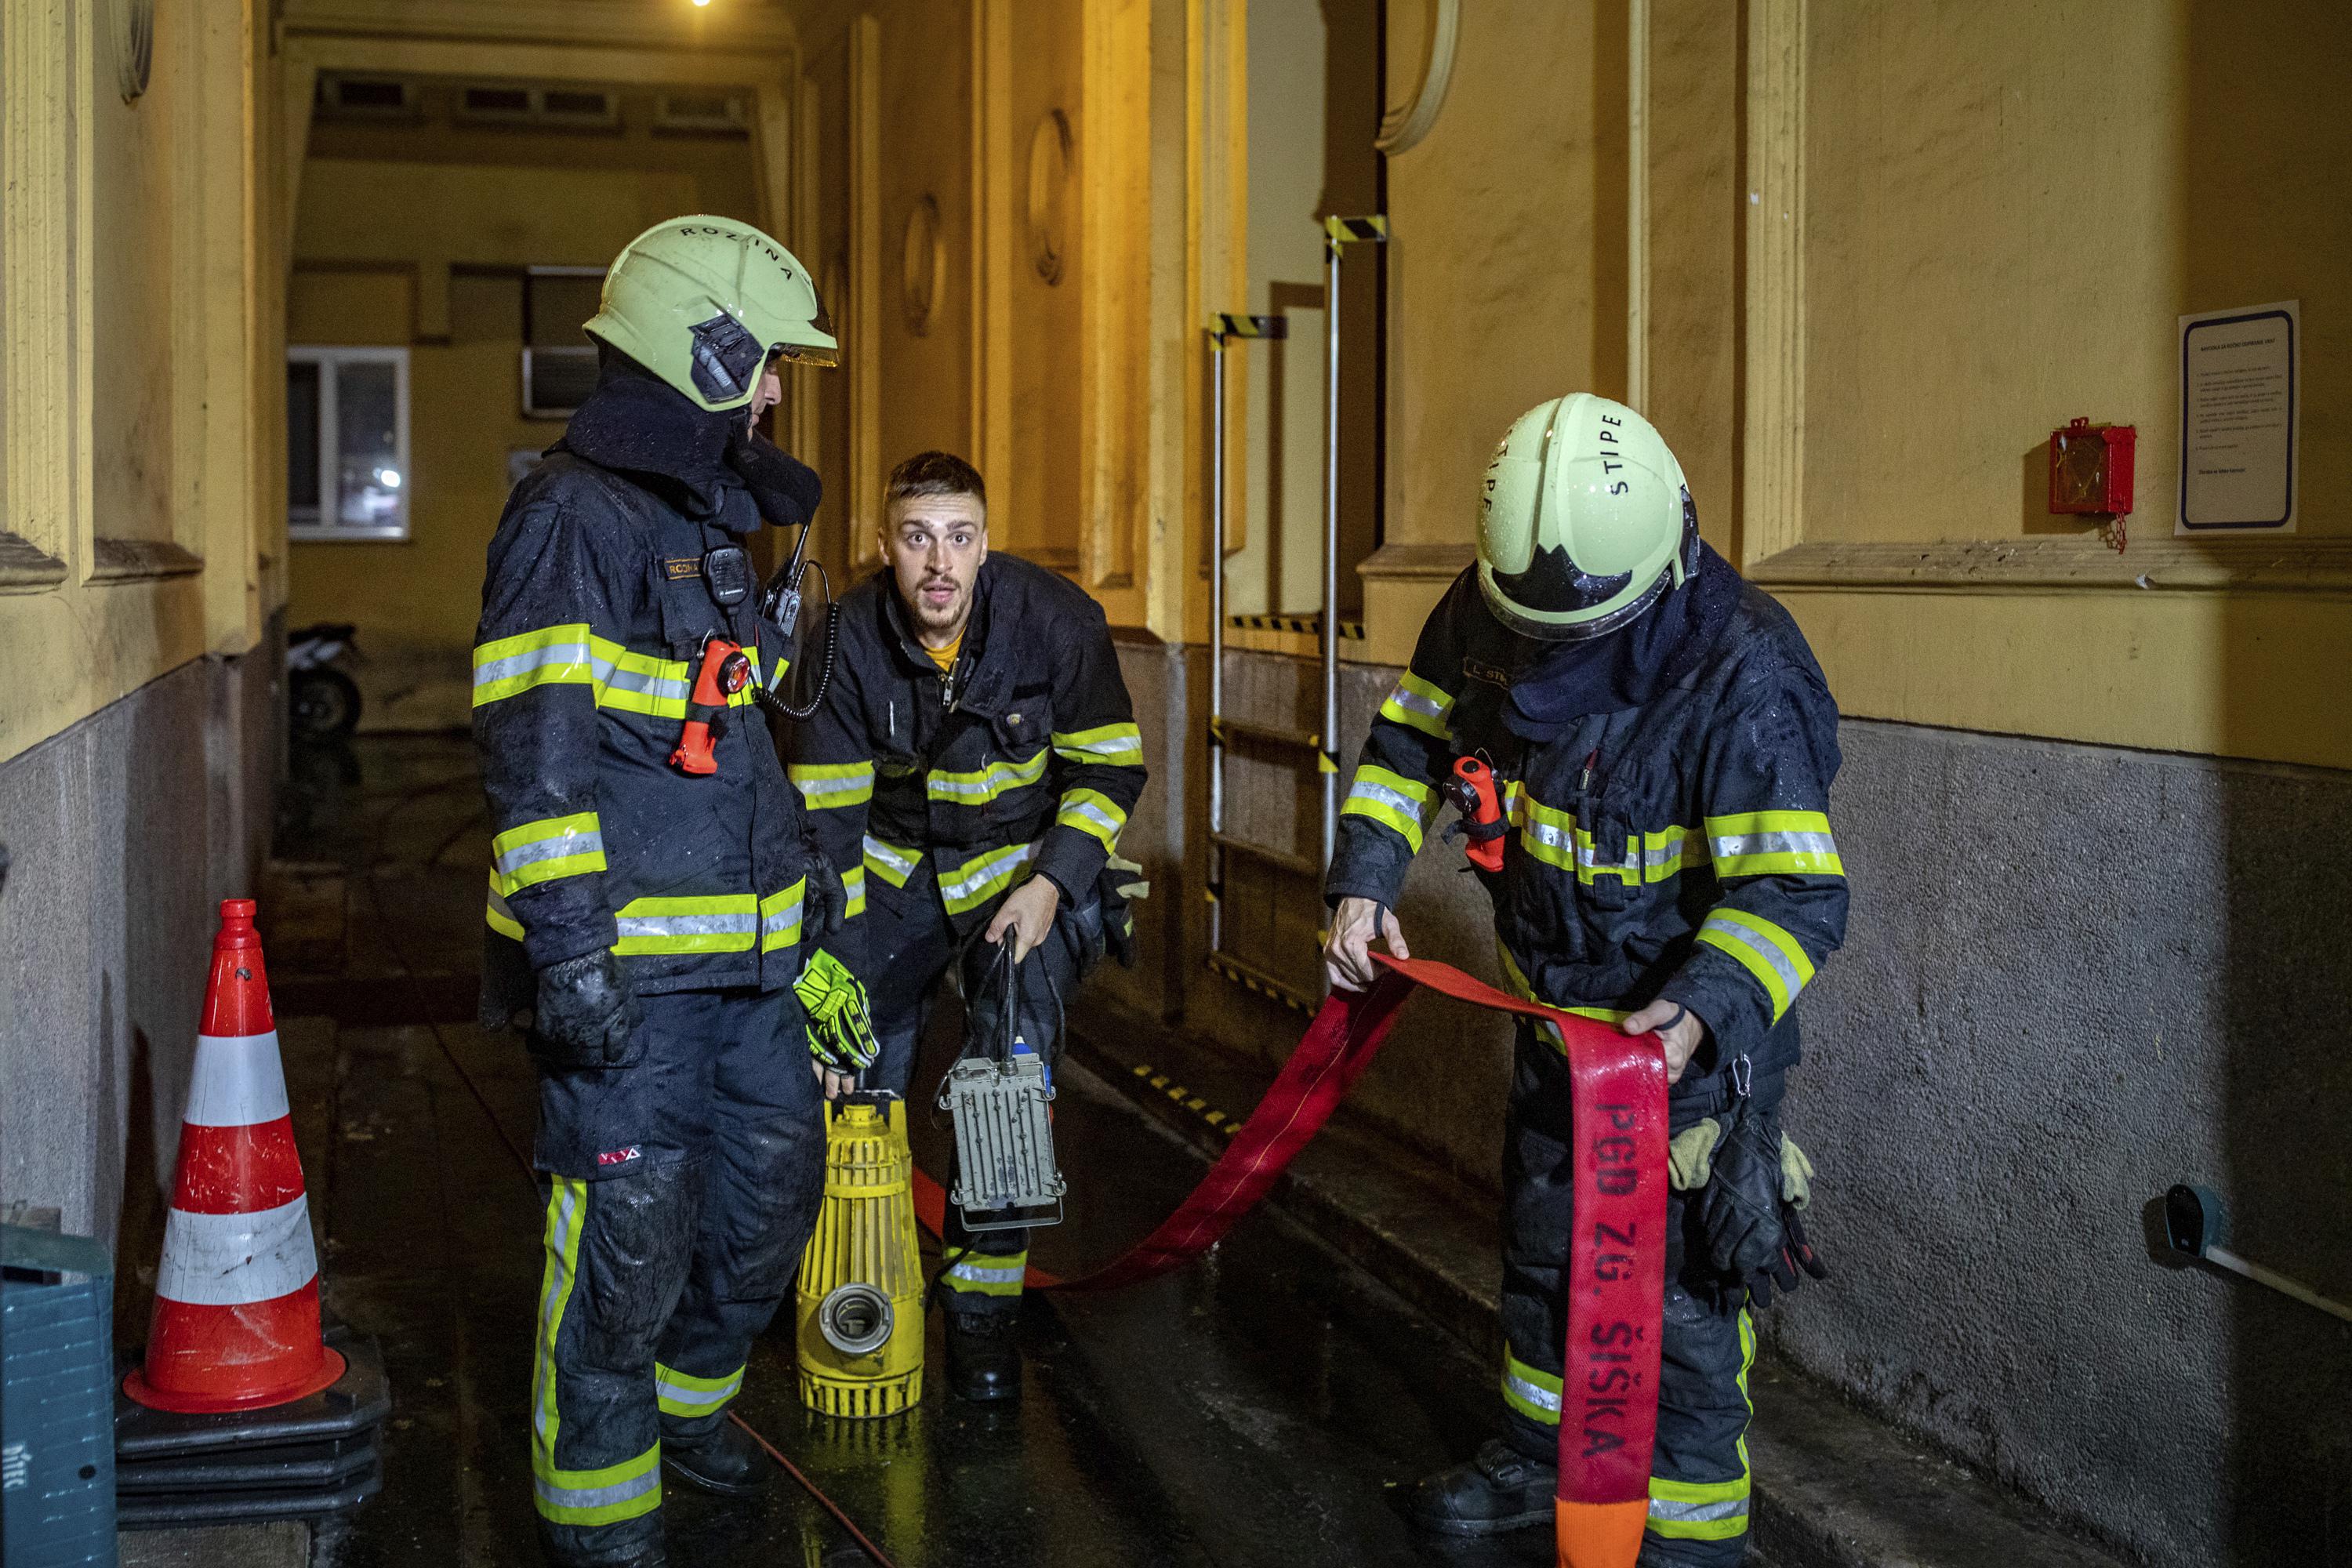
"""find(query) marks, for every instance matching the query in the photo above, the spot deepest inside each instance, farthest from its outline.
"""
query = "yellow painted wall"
(374, 238)
(1508, 286)
(135, 310)
(1996, 234)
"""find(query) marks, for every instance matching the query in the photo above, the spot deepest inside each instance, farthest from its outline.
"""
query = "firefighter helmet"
(1584, 521)
(704, 302)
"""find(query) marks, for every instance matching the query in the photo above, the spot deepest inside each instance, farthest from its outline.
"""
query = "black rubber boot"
(645, 1552)
(725, 1460)
(983, 1363)
(1500, 1490)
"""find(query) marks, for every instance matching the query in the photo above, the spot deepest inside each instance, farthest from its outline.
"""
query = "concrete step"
(1835, 1488)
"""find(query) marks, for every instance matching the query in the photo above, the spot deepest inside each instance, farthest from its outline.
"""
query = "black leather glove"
(824, 902)
(1122, 883)
(587, 1017)
(1755, 1241)
(786, 491)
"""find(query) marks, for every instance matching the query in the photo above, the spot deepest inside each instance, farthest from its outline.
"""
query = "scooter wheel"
(324, 704)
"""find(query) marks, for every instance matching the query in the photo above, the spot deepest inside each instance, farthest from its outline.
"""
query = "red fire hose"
(1615, 1279)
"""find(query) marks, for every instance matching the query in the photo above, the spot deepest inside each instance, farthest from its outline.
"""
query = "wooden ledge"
(1425, 562)
(142, 559)
(26, 567)
(2067, 564)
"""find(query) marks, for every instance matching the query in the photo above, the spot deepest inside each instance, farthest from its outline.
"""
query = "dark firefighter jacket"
(1679, 849)
(1021, 759)
(594, 613)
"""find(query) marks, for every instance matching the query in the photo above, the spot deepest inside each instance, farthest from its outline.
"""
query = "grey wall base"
(124, 831)
(2075, 975)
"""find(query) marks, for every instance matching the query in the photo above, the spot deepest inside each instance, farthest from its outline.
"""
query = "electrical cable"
(522, 1161)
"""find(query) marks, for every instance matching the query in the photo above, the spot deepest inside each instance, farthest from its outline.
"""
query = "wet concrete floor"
(1254, 1410)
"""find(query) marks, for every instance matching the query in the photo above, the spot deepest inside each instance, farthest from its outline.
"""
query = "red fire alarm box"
(2091, 468)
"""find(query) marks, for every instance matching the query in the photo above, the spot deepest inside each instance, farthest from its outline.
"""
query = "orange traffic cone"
(236, 1300)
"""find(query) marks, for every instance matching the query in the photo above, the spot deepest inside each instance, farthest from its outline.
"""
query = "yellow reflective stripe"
(500, 918)
(1516, 982)
(608, 1496)
(682, 1394)
(1420, 705)
(984, 877)
(894, 864)
(544, 850)
(1396, 802)
(978, 1274)
(1093, 813)
(728, 922)
(825, 786)
(1118, 746)
(1547, 834)
(1666, 854)
(1710, 1510)
(852, 887)
(552, 655)
(780, 916)
(1769, 953)
(1774, 844)
(980, 787)
(1532, 1393)
(615, 1492)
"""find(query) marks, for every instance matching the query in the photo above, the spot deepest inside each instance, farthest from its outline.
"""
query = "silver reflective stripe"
(1406, 697)
(994, 780)
(1402, 803)
(1093, 813)
(1656, 856)
(876, 850)
(1698, 1512)
(989, 869)
(742, 923)
(1534, 1394)
(980, 1275)
(600, 1496)
(618, 679)
(516, 664)
(1588, 859)
(785, 920)
(814, 789)
(565, 1221)
(1111, 746)
(1762, 946)
(1562, 839)
(1732, 847)
(555, 849)
(711, 1398)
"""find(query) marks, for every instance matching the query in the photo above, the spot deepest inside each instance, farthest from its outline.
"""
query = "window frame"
(330, 359)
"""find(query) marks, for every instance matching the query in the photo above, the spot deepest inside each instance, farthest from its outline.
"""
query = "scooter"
(322, 702)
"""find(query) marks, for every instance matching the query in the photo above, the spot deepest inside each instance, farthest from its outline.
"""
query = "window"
(346, 443)
(558, 364)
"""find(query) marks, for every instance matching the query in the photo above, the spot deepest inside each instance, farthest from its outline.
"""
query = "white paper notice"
(2239, 387)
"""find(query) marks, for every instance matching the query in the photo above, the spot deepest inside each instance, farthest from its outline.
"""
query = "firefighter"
(1665, 743)
(970, 772)
(652, 883)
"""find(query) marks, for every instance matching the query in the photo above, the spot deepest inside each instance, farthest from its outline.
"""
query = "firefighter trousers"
(678, 1193)
(910, 942)
(1698, 1472)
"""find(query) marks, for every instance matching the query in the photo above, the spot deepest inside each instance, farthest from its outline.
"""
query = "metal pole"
(1216, 637)
(1327, 740)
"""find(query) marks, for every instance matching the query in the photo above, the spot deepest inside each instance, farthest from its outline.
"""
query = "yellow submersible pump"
(860, 1298)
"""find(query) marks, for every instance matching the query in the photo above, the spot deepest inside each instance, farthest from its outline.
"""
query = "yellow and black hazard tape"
(1231, 326)
(1311, 625)
(1350, 230)
(1249, 978)
(1219, 1122)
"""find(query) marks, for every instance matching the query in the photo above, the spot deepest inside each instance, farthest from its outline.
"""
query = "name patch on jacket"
(682, 566)
(1477, 671)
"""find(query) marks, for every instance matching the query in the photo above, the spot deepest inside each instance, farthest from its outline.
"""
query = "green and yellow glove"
(840, 1025)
